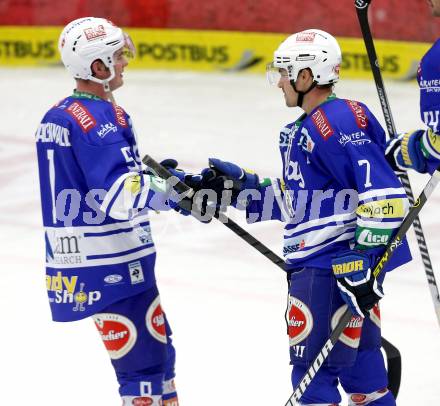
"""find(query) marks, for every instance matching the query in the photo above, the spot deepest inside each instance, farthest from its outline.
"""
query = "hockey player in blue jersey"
(341, 202)
(420, 149)
(95, 198)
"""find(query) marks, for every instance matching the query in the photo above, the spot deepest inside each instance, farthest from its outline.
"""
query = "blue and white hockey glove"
(239, 180)
(405, 152)
(358, 287)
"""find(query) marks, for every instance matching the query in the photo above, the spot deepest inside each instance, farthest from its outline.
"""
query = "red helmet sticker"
(305, 36)
(375, 315)
(117, 332)
(142, 401)
(352, 333)
(300, 321)
(155, 321)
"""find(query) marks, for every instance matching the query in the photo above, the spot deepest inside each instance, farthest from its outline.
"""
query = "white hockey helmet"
(87, 39)
(313, 49)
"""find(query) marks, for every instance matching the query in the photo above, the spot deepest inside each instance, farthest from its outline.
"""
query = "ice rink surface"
(225, 302)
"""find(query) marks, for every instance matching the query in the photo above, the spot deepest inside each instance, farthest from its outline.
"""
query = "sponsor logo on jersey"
(305, 37)
(51, 132)
(63, 249)
(155, 321)
(63, 290)
(305, 141)
(430, 84)
(93, 33)
(357, 138)
(348, 267)
(120, 116)
(359, 113)
(105, 129)
(322, 124)
(389, 208)
(136, 272)
(82, 116)
(352, 333)
(142, 401)
(299, 321)
(288, 249)
(113, 279)
(118, 333)
(373, 237)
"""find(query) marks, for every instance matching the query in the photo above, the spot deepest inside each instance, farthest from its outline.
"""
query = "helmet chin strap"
(106, 83)
(300, 93)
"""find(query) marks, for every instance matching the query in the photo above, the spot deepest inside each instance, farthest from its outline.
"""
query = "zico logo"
(384, 208)
(25, 49)
(348, 267)
(183, 52)
(373, 237)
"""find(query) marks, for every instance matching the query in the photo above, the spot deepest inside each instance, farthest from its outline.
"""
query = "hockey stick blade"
(362, 13)
(384, 259)
(181, 187)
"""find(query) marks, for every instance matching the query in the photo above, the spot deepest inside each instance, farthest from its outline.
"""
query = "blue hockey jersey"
(338, 191)
(428, 77)
(94, 198)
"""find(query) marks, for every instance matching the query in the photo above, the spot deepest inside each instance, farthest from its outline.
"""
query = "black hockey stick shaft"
(384, 259)
(181, 187)
(394, 366)
(362, 12)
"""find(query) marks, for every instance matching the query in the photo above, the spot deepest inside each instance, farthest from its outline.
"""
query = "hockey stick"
(384, 259)
(362, 12)
(181, 187)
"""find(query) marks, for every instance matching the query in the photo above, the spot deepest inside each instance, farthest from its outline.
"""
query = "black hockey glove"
(232, 183)
(205, 203)
(358, 287)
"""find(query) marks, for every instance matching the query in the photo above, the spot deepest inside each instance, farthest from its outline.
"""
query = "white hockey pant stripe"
(363, 399)
(129, 400)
